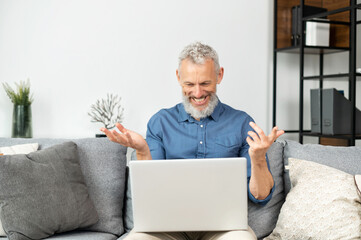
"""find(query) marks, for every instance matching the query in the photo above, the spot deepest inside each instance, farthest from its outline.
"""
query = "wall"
(75, 52)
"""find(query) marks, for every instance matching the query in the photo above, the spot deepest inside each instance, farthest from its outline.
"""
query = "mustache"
(203, 96)
(198, 97)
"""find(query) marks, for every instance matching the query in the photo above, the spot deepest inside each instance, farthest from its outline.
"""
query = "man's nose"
(198, 91)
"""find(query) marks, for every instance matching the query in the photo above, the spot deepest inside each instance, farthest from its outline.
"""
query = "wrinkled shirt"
(174, 134)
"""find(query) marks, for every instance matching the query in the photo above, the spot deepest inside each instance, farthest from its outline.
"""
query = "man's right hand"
(131, 139)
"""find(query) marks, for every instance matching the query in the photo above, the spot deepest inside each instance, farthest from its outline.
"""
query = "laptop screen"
(189, 194)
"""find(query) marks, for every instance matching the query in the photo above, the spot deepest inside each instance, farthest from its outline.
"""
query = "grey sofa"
(103, 164)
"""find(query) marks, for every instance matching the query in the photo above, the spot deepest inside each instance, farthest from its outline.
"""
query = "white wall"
(75, 52)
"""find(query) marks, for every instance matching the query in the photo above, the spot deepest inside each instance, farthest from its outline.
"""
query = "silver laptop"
(189, 195)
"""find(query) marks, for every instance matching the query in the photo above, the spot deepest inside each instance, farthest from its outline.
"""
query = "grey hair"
(198, 53)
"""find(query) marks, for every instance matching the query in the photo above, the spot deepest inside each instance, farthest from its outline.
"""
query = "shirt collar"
(217, 111)
(184, 116)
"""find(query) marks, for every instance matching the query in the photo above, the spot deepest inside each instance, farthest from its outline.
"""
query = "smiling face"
(199, 82)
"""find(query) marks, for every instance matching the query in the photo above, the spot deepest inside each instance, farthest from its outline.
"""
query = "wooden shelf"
(295, 131)
(342, 39)
(312, 134)
(312, 49)
(339, 136)
(339, 33)
(340, 75)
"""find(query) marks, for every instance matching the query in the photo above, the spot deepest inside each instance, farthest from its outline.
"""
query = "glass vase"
(22, 122)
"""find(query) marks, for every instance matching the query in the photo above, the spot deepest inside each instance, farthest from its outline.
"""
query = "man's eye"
(205, 84)
(189, 84)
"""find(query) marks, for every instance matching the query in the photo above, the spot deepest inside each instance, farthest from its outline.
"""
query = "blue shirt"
(174, 134)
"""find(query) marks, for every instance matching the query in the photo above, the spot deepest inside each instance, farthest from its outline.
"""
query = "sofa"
(107, 197)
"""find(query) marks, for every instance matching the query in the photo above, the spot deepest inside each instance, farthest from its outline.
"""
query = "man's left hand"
(261, 181)
(259, 144)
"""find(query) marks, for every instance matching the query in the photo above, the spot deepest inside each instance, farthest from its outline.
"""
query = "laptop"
(189, 195)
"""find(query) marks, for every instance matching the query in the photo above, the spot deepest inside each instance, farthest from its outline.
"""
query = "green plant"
(22, 95)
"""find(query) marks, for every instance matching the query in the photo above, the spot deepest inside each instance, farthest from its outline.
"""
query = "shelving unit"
(342, 16)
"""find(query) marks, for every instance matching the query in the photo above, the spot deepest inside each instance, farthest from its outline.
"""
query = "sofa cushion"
(83, 235)
(43, 192)
(80, 235)
(358, 184)
(128, 204)
(323, 204)
(262, 219)
(121, 237)
(103, 164)
(17, 149)
(346, 159)
(128, 207)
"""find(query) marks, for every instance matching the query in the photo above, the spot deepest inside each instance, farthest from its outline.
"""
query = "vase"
(22, 122)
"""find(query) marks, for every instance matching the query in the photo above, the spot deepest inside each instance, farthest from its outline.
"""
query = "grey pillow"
(43, 193)
(103, 164)
(346, 159)
(263, 219)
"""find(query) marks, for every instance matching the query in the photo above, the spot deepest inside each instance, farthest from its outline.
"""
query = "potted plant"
(107, 111)
(22, 100)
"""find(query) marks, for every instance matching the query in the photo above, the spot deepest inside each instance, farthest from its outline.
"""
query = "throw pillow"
(358, 183)
(103, 164)
(346, 159)
(43, 193)
(16, 149)
(19, 149)
(322, 204)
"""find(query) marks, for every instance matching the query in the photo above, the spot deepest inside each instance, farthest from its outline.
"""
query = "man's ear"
(220, 75)
(178, 75)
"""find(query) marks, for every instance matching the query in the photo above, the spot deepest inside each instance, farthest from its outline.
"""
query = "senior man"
(203, 127)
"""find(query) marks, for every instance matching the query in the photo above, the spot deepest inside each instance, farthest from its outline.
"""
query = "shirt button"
(201, 125)
(201, 142)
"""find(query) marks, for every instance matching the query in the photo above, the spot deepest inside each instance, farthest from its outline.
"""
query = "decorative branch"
(107, 111)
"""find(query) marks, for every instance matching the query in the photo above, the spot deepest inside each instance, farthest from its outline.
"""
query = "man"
(203, 127)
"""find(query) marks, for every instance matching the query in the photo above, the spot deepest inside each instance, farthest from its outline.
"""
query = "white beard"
(198, 114)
